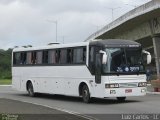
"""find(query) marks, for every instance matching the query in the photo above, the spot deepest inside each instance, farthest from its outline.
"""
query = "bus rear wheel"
(86, 94)
(121, 99)
(30, 90)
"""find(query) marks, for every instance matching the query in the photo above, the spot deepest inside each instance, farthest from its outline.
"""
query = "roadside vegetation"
(5, 81)
(5, 66)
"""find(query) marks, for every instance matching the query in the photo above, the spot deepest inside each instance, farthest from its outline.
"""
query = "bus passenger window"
(33, 58)
(69, 56)
(63, 56)
(17, 57)
(52, 56)
(78, 56)
(29, 58)
(23, 58)
(57, 55)
(84, 54)
(45, 57)
(39, 57)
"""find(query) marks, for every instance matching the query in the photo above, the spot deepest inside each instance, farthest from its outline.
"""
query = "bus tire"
(30, 90)
(86, 94)
(121, 99)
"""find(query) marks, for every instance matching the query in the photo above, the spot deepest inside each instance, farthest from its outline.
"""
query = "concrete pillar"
(156, 44)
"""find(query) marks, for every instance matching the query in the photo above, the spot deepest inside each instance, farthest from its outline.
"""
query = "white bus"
(100, 69)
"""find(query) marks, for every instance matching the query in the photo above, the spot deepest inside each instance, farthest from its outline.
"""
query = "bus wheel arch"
(84, 92)
(30, 88)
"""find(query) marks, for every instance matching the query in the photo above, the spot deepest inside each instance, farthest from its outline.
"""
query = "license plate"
(128, 90)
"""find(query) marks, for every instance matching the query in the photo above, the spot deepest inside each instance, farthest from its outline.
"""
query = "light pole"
(63, 38)
(112, 9)
(56, 23)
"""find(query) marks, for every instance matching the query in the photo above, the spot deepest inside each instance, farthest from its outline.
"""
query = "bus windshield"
(123, 60)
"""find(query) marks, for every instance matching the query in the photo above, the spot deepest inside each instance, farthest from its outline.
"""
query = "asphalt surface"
(27, 111)
(100, 109)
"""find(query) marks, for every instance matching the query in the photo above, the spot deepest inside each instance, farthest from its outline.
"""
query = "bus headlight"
(142, 84)
(114, 85)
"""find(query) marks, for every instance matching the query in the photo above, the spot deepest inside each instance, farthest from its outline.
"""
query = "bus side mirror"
(104, 57)
(149, 58)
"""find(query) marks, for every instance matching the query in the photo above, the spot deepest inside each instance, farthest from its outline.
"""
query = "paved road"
(27, 111)
(100, 107)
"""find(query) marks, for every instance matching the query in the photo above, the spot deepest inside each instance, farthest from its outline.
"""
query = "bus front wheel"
(30, 90)
(86, 94)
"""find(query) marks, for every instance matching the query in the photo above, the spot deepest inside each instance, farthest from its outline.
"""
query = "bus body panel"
(67, 82)
(48, 79)
(16, 79)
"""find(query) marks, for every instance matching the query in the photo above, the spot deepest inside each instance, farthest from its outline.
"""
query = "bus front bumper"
(121, 92)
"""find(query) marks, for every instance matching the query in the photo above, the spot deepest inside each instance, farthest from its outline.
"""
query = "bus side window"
(52, 56)
(33, 58)
(39, 57)
(78, 56)
(63, 56)
(23, 57)
(84, 54)
(70, 56)
(57, 55)
(45, 57)
(16, 58)
(29, 58)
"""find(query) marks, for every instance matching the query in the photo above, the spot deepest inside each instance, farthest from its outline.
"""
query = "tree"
(5, 64)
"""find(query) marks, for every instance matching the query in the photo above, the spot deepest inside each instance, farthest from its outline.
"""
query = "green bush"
(5, 64)
(5, 75)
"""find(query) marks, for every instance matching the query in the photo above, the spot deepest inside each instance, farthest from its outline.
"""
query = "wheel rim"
(85, 94)
(30, 90)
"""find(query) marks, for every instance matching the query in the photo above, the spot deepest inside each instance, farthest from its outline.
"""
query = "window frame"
(34, 53)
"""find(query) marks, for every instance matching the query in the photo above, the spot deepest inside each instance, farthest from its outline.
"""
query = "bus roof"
(115, 43)
(51, 46)
(104, 43)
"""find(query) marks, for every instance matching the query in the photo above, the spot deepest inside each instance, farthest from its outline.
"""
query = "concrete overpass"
(141, 24)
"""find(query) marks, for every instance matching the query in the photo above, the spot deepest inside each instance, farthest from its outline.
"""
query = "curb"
(153, 93)
(5, 85)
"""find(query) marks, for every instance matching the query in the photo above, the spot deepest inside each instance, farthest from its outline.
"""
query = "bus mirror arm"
(104, 57)
(148, 56)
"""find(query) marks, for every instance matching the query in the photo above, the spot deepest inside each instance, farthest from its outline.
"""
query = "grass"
(5, 81)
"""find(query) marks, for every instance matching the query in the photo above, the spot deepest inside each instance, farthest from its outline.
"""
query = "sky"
(33, 22)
